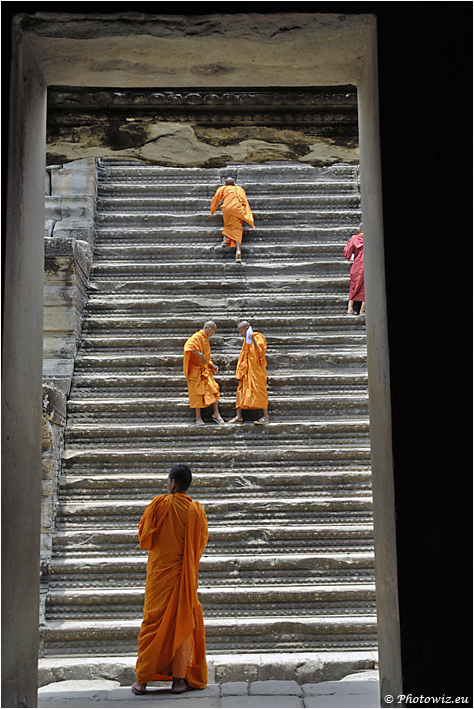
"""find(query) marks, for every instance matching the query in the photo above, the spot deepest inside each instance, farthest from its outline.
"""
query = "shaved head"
(244, 323)
(209, 324)
(230, 181)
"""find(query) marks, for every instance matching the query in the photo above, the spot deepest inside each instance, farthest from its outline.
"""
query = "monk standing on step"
(171, 643)
(252, 374)
(199, 371)
(355, 248)
(235, 209)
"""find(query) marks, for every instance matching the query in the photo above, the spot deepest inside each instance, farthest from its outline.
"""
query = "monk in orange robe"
(171, 643)
(199, 371)
(252, 374)
(235, 209)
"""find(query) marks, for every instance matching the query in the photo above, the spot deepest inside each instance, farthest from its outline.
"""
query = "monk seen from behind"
(354, 251)
(171, 643)
(199, 371)
(235, 210)
(251, 372)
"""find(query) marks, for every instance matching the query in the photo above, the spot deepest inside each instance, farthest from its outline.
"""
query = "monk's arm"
(349, 249)
(215, 200)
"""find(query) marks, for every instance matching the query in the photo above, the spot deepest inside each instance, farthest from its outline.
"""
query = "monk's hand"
(215, 368)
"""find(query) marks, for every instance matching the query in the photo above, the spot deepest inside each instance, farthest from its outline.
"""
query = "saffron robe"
(235, 209)
(252, 372)
(355, 246)
(203, 389)
(174, 530)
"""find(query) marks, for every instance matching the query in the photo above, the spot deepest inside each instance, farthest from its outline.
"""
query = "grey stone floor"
(355, 690)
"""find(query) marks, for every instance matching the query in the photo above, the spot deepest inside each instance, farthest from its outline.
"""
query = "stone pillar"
(69, 241)
(22, 392)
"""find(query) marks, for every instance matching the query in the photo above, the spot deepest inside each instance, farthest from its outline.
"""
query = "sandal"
(238, 259)
(137, 691)
(218, 420)
(261, 421)
(199, 423)
(235, 420)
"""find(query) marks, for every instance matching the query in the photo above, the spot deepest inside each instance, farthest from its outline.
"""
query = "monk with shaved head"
(252, 375)
(172, 644)
(235, 209)
(199, 371)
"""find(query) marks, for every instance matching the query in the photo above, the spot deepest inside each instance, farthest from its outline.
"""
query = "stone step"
(251, 634)
(123, 344)
(188, 203)
(228, 484)
(326, 431)
(236, 538)
(266, 601)
(276, 358)
(268, 302)
(153, 185)
(150, 284)
(184, 324)
(246, 509)
(275, 457)
(305, 239)
(314, 218)
(304, 383)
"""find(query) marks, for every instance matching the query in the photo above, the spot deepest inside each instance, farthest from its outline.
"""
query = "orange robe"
(252, 372)
(203, 389)
(235, 208)
(172, 642)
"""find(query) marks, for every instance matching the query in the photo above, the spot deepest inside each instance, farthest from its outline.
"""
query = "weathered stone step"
(227, 484)
(152, 185)
(245, 509)
(238, 538)
(122, 344)
(316, 218)
(323, 432)
(268, 302)
(184, 324)
(276, 456)
(286, 600)
(300, 239)
(276, 358)
(222, 635)
(308, 383)
(188, 203)
(222, 284)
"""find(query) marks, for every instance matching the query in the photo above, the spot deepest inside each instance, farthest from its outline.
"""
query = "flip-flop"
(238, 260)
(186, 688)
(261, 421)
(218, 420)
(199, 423)
(235, 420)
(138, 691)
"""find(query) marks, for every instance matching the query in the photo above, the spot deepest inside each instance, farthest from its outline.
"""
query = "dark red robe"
(355, 246)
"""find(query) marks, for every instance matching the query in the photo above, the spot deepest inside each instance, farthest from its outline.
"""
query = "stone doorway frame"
(301, 49)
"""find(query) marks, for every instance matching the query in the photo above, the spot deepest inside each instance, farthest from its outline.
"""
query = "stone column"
(22, 393)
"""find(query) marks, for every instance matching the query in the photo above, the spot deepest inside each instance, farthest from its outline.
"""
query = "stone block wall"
(70, 198)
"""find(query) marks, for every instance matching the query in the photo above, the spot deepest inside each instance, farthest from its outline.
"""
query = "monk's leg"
(362, 308)
(215, 412)
(238, 412)
(179, 667)
(350, 308)
(198, 416)
(265, 415)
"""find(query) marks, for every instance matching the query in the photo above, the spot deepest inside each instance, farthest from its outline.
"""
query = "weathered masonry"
(156, 274)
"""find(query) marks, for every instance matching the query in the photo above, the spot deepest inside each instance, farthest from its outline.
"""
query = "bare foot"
(179, 686)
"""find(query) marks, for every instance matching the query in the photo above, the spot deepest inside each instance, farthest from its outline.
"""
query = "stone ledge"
(302, 668)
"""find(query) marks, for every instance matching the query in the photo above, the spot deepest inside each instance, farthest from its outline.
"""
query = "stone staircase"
(289, 564)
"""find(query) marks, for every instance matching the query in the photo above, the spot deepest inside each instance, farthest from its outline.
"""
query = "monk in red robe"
(171, 643)
(199, 371)
(252, 375)
(354, 251)
(235, 209)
